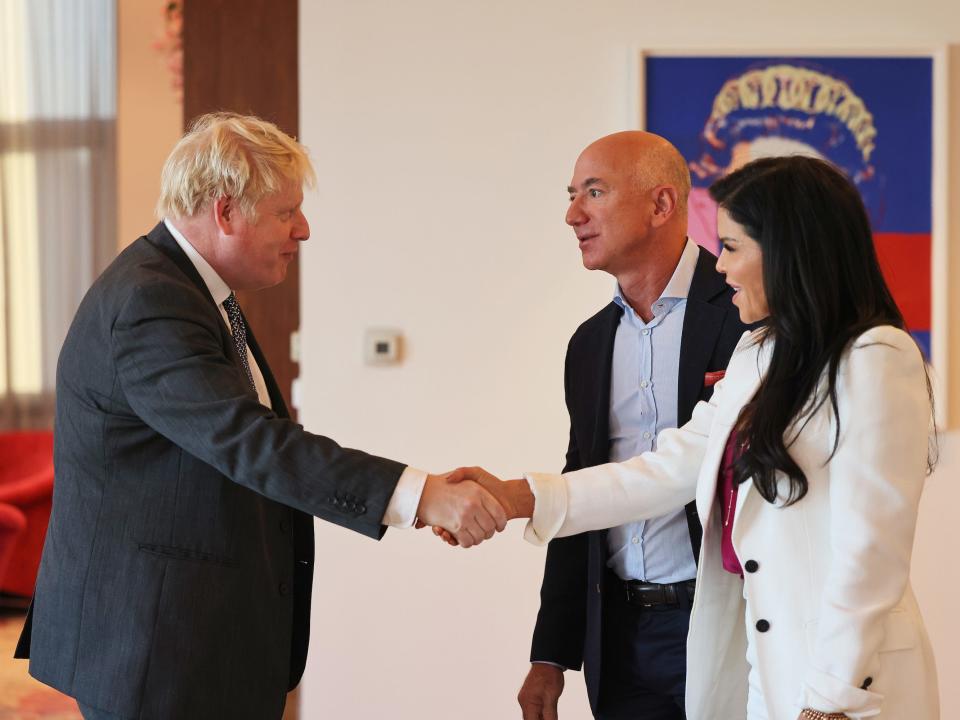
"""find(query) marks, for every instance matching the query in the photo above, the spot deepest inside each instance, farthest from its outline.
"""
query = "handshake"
(467, 506)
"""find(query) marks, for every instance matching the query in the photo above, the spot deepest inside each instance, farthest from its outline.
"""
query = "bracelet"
(810, 714)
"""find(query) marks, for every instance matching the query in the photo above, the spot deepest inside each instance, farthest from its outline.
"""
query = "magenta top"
(727, 497)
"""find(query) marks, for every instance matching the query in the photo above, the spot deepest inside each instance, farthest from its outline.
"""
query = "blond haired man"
(176, 575)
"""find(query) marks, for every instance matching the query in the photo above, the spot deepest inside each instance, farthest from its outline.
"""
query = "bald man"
(618, 602)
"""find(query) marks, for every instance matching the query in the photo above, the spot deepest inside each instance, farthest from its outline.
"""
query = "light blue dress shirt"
(643, 401)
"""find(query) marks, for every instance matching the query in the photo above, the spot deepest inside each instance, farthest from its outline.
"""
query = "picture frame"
(880, 115)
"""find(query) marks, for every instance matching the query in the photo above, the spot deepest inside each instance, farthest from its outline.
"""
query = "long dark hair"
(824, 288)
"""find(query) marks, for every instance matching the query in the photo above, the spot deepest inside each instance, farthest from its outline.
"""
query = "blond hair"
(229, 155)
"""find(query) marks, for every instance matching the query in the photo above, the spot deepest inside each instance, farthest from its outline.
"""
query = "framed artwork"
(878, 116)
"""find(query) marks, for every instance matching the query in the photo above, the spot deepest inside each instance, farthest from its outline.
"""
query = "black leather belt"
(650, 595)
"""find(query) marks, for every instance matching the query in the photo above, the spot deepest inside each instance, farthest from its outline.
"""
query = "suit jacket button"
(284, 525)
(284, 588)
(867, 683)
(763, 625)
(751, 566)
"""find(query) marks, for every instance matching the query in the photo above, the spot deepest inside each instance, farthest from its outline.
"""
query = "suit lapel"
(702, 323)
(750, 364)
(161, 238)
(600, 368)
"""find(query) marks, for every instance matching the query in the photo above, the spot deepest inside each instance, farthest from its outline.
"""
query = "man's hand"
(540, 692)
(514, 495)
(464, 509)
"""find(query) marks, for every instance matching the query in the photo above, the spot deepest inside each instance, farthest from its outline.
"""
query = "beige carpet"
(22, 697)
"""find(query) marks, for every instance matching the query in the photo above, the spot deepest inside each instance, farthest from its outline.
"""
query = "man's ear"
(664, 204)
(225, 214)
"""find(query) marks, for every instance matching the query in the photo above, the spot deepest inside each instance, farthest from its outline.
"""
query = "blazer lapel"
(161, 238)
(702, 323)
(601, 369)
(747, 368)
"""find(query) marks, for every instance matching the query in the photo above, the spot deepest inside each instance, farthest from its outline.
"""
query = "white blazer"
(832, 579)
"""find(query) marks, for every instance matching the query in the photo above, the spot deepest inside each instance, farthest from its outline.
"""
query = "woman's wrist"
(521, 498)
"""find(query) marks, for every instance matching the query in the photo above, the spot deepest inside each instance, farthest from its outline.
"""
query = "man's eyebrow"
(585, 184)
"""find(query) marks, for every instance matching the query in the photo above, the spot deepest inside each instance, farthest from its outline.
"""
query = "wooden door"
(242, 56)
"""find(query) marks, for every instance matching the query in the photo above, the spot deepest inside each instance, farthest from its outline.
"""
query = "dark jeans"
(644, 664)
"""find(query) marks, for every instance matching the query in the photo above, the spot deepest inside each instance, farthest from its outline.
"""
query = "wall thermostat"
(382, 346)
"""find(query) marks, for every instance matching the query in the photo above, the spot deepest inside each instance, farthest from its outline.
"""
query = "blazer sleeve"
(561, 621)
(646, 486)
(175, 375)
(876, 478)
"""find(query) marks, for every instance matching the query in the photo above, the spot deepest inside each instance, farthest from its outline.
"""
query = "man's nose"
(301, 228)
(575, 215)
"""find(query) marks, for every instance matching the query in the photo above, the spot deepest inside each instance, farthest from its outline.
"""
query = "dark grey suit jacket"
(176, 574)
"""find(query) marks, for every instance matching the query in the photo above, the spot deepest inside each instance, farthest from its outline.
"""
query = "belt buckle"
(643, 597)
(644, 603)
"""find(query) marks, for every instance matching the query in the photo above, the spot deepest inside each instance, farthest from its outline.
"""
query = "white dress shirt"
(643, 401)
(402, 508)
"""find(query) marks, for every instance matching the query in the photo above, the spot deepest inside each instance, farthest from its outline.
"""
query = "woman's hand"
(513, 495)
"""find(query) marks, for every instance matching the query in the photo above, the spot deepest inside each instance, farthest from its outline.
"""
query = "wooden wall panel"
(242, 55)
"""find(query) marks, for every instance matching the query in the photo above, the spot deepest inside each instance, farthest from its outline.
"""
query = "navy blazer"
(568, 629)
(176, 573)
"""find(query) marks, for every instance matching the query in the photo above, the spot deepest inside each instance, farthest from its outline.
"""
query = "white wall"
(935, 576)
(444, 134)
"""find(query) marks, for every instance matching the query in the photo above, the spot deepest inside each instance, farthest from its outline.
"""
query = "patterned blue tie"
(239, 330)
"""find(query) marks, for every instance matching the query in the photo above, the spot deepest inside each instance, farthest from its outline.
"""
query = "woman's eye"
(728, 248)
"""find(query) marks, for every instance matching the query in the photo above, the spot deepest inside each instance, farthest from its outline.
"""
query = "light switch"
(382, 346)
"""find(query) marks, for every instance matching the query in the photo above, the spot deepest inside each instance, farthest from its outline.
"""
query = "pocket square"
(712, 378)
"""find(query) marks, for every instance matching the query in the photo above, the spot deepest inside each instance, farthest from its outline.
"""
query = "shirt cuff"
(549, 507)
(402, 508)
(547, 662)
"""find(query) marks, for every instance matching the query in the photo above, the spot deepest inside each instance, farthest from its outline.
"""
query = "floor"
(22, 697)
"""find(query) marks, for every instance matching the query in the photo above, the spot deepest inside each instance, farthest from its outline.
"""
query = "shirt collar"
(219, 290)
(678, 288)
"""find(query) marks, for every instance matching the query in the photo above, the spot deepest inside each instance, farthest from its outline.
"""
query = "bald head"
(652, 160)
(628, 207)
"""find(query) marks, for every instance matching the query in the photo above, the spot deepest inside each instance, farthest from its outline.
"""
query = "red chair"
(12, 525)
(26, 485)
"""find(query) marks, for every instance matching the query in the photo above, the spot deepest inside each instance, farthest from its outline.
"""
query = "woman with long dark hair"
(807, 466)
